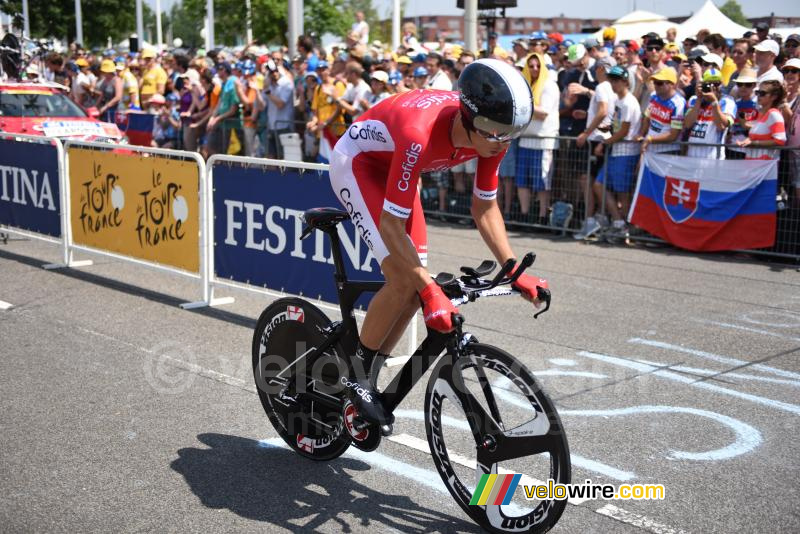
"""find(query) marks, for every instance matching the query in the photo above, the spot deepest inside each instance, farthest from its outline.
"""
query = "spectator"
(361, 28)
(619, 53)
(520, 48)
(709, 117)
(654, 55)
(535, 153)
(688, 44)
(609, 37)
(598, 129)
(130, 87)
(595, 49)
(672, 36)
(742, 56)
(225, 117)
(248, 92)
(791, 77)
(279, 97)
(305, 47)
(746, 110)
(54, 68)
(357, 91)
(110, 91)
(769, 129)
(379, 83)
(409, 39)
(615, 181)
(184, 87)
(83, 84)
(205, 102)
(578, 85)
(793, 123)
(438, 78)
(154, 78)
(766, 52)
(420, 78)
(762, 31)
(663, 118)
(166, 124)
(327, 122)
(791, 46)
(716, 44)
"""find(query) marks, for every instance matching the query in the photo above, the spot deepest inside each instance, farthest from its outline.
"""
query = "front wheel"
(304, 406)
(485, 414)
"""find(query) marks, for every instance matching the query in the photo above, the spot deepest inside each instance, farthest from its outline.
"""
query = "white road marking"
(558, 372)
(5, 305)
(563, 361)
(748, 329)
(637, 520)
(709, 372)
(655, 371)
(576, 459)
(715, 357)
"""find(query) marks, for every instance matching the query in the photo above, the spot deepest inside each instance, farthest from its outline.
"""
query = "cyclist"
(375, 169)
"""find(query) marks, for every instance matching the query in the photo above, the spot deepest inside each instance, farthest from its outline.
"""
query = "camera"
(707, 87)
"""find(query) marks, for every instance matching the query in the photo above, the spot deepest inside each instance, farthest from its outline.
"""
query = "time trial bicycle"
(484, 411)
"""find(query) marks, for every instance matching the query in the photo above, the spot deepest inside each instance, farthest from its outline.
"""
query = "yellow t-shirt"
(152, 78)
(728, 68)
(130, 90)
(325, 106)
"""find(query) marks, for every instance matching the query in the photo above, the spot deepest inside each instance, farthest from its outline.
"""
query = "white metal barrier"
(71, 246)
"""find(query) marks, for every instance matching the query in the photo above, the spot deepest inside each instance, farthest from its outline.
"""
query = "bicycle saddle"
(324, 218)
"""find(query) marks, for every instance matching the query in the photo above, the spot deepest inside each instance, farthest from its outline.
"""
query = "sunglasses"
(760, 93)
(793, 44)
(654, 49)
(790, 71)
(659, 83)
(745, 84)
(492, 138)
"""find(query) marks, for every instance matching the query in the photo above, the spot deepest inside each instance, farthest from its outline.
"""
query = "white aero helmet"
(496, 100)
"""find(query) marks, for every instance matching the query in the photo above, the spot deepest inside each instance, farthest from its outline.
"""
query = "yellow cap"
(609, 34)
(666, 74)
(108, 66)
(148, 53)
(81, 62)
(405, 59)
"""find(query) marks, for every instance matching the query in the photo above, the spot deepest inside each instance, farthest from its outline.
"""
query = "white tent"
(785, 32)
(711, 18)
(638, 23)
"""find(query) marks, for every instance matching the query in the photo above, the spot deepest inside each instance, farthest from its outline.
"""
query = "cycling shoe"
(367, 402)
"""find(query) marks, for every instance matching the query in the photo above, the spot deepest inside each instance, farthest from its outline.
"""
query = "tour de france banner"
(142, 206)
(29, 188)
(707, 204)
(258, 220)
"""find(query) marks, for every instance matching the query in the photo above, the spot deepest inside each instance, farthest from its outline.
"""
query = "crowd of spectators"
(598, 104)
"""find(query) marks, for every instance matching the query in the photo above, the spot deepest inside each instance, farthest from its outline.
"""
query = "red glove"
(527, 285)
(437, 309)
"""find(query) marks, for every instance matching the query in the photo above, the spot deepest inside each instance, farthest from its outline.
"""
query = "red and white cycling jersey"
(376, 164)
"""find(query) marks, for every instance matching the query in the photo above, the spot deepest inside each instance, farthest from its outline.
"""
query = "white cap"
(704, 48)
(713, 58)
(794, 63)
(768, 45)
(380, 75)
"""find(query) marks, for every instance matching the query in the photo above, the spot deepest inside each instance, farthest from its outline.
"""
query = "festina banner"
(707, 204)
(258, 220)
(29, 187)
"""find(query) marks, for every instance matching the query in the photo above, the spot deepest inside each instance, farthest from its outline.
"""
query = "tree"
(101, 19)
(269, 19)
(733, 11)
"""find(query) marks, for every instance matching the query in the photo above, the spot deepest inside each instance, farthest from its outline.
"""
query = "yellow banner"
(140, 205)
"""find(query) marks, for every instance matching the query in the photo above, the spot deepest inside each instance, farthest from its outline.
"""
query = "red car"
(45, 109)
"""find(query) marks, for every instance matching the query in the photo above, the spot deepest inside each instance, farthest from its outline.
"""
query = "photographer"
(709, 117)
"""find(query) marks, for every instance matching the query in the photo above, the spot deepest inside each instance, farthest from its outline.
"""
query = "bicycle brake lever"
(544, 295)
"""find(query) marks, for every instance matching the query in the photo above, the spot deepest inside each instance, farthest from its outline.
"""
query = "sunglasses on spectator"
(745, 84)
(659, 83)
(791, 44)
(654, 48)
(738, 52)
(760, 93)
(790, 70)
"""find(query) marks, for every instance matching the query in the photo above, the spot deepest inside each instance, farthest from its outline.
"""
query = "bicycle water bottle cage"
(324, 219)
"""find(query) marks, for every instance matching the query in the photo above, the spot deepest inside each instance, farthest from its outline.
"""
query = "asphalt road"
(124, 413)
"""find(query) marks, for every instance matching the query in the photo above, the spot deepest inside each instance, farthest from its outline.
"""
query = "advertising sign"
(29, 187)
(258, 220)
(140, 205)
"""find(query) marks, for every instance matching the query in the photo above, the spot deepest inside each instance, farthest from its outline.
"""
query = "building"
(776, 21)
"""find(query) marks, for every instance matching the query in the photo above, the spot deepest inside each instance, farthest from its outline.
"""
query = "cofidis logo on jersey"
(495, 489)
(366, 131)
(410, 160)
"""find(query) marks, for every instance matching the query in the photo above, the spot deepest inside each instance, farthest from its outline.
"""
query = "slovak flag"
(707, 204)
